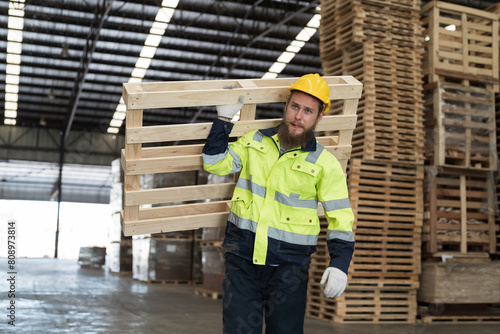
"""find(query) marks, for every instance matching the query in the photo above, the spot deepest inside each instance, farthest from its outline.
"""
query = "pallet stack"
(379, 43)
(461, 74)
(461, 71)
(496, 10)
(497, 114)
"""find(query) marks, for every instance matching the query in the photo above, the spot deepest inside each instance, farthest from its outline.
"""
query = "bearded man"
(273, 226)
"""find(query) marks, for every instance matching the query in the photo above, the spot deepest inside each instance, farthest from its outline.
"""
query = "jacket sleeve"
(218, 157)
(333, 194)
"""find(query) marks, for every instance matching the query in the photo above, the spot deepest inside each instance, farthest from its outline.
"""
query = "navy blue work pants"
(254, 294)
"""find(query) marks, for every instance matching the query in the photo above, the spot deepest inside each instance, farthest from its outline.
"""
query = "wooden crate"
(460, 210)
(389, 22)
(138, 160)
(462, 43)
(390, 111)
(365, 301)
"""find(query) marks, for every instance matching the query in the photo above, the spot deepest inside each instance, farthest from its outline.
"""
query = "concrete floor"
(57, 296)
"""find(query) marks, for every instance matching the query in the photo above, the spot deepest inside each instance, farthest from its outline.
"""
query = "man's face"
(299, 121)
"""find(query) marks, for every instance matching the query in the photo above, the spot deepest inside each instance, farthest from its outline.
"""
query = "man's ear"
(320, 116)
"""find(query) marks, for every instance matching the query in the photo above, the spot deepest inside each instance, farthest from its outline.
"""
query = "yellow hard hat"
(315, 85)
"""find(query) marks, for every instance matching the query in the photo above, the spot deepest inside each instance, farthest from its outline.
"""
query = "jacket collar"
(309, 147)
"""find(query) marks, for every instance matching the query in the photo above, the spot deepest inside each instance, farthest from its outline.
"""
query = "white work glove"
(336, 281)
(229, 110)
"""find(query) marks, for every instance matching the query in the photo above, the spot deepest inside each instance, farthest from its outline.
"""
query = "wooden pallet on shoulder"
(163, 157)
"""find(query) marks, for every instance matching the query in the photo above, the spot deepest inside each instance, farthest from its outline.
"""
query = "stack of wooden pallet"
(461, 71)
(498, 152)
(379, 43)
(496, 9)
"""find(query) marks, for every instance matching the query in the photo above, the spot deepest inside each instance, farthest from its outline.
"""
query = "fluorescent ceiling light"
(139, 72)
(119, 115)
(297, 43)
(270, 75)
(115, 123)
(277, 67)
(12, 79)
(314, 22)
(134, 80)
(164, 15)
(143, 62)
(15, 22)
(13, 58)
(112, 130)
(13, 69)
(14, 47)
(15, 35)
(306, 34)
(9, 121)
(148, 52)
(170, 3)
(10, 113)
(153, 40)
(10, 105)
(11, 97)
(156, 31)
(292, 48)
(11, 88)
(121, 107)
(286, 57)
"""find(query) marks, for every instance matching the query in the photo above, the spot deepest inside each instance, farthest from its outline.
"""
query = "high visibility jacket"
(273, 218)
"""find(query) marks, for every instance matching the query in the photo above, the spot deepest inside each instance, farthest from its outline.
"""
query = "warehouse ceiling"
(76, 54)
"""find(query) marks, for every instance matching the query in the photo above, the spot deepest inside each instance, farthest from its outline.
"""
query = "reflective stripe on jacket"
(273, 217)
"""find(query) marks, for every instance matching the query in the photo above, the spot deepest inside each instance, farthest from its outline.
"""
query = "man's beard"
(289, 140)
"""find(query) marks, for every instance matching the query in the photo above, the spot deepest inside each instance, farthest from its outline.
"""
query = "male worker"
(273, 226)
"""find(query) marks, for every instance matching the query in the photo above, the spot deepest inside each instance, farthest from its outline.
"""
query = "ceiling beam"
(93, 36)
